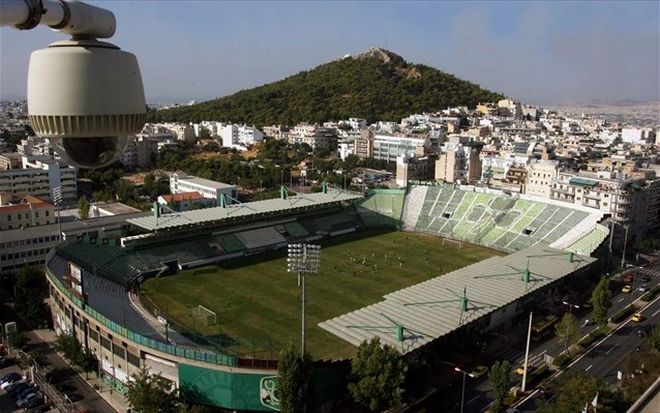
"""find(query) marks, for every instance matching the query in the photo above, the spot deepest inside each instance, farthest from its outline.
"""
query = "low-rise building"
(30, 212)
(180, 183)
(185, 201)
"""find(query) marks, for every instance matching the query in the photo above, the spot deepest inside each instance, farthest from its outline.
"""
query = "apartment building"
(31, 245)
(414, 168)
(239, 136)
(30, 212)
(180, 183)
(390, 147)
(459, 161)
(40, 176)
(185, 201)
(541, 174)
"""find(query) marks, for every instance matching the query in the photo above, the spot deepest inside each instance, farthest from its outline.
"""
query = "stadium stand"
(506, 223)
(382, 207)
(258, 238)
(590, 242)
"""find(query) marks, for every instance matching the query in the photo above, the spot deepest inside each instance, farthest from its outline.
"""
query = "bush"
(649, 296)
(594, 336)
(562, 360)
(623, 314)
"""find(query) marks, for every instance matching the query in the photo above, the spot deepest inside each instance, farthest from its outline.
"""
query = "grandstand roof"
(208, 215)
(431, 309)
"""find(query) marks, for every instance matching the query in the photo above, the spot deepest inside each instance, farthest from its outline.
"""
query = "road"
(478, 397)
(609, 355)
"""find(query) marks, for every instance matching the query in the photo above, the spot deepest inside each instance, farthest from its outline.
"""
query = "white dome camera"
(85, 95)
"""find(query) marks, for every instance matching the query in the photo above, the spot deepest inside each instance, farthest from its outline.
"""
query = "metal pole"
(302, 347)
(623, 254)
(463, 392)
(529, 335)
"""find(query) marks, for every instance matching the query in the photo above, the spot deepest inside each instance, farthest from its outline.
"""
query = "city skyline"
(542, 52)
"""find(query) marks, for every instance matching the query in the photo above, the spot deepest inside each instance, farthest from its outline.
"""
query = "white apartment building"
(390, 147)
(318, 138)
(39, 177)
(638, 136)
(240, 136)
(180, 183)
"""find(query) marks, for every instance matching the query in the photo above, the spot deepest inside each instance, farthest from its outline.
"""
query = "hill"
(376, 85)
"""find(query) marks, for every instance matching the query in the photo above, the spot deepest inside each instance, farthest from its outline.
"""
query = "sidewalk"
(116, 401)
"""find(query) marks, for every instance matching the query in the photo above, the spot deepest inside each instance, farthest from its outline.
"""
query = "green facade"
(256, 392)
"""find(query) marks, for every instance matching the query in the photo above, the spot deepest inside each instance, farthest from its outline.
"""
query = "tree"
(567, 329)
(83, 207)
(654, 338)
(377, 376)
(30, 293)
(151, 394)
(577, 388)
(295, 380)
(600, 300)
(500, 378)
(75, 353)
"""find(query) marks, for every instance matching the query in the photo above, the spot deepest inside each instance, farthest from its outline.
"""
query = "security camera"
(84, 95)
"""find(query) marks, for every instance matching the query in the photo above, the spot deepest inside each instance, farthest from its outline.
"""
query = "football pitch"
(257, 303)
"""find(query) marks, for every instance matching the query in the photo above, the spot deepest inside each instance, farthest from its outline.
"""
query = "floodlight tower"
(303, 258)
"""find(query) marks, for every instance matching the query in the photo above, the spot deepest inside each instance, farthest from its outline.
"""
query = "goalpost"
(209, 317)
(458, 243)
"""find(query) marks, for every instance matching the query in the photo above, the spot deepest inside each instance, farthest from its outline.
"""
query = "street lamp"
(570, 306)
(303, 258)
(465, 373)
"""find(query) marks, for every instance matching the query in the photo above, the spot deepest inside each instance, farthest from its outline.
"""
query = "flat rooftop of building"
(117, 208)
(432, 309)
(249, 209)
(204, 182)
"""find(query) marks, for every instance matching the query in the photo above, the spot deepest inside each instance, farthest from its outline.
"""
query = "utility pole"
(465, 373)
(529, 335)
(623, 254)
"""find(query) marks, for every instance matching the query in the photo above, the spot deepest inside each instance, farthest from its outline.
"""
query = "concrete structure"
(39, 177)
(209, 189)
(10, 160)
(103, 209)
(414, 168)
(459, 161)
(185, 201)
(638, 135)
(541, 174)
(29, 213)
(319, 138)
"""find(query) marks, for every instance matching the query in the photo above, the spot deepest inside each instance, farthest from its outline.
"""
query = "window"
(105, 343)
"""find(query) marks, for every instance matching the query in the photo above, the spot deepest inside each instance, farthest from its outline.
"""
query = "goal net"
(208, 317)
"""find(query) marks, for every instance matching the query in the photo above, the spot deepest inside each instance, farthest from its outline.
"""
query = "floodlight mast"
(303, 258)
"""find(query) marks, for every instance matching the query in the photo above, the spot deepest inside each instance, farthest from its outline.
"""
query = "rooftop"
(204, 182)
(217, 214)
(431, 309)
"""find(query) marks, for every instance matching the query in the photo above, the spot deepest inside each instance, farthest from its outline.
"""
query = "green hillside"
(376, 85)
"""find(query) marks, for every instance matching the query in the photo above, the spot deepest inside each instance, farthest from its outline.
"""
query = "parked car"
(9, 377)
(645, 278)
(9, 387)
(22, 390)
(38, 409)
(39, 401)
(626, 289)
(30, 397)
(628, 278)
(643, 288)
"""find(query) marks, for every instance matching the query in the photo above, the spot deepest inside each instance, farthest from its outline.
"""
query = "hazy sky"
(538, 52)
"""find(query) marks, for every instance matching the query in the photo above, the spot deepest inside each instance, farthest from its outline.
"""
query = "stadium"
(204, 299)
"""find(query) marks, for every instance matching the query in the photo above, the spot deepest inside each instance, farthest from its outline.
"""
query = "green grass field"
(258, 303)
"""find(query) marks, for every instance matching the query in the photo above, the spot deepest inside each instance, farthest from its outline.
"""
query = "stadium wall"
(203, 377)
